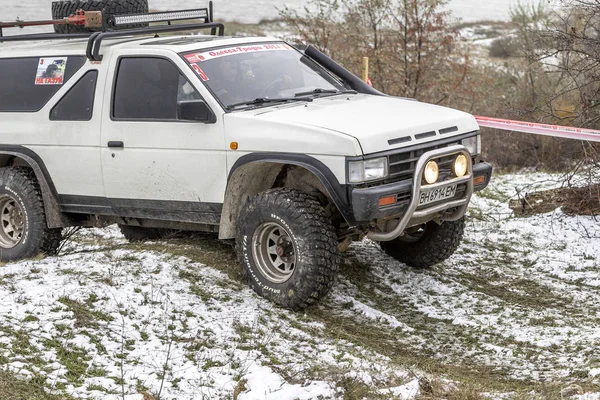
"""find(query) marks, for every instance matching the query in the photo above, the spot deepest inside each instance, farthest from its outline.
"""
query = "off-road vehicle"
(282, 150)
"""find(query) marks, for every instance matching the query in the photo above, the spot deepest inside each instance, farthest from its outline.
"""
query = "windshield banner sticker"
(209, 55)
(50, 71)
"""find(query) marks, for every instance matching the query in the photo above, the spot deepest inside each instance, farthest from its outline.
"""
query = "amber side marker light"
(387, 201)
(479, 179)
(233, 145)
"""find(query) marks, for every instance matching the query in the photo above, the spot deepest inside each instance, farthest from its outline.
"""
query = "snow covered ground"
(514, 313)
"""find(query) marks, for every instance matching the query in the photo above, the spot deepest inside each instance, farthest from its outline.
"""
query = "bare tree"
(411, 44)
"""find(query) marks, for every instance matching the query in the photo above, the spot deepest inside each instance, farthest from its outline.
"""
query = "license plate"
(437, 194)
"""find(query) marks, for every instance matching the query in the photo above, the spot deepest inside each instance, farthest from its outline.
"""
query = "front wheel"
(427, 244)
(287, 247)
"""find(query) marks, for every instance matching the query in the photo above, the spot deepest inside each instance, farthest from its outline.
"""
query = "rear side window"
(78, 103)
(28, 83)
(149, 88)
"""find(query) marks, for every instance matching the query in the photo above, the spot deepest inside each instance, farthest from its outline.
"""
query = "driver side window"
(149, 88)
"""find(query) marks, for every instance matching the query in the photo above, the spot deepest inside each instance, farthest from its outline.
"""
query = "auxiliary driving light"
(201, 13)
(432, 172)
(461, 164)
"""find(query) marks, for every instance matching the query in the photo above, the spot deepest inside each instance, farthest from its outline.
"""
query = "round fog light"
(432, 172)
(460, 165)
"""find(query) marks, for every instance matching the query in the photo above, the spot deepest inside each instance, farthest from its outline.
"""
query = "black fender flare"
(336, 191)
(54, 217)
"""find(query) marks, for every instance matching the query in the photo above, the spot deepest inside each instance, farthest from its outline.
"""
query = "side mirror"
(195, 110)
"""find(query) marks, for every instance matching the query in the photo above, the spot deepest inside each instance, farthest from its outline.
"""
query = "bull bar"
(412, 212)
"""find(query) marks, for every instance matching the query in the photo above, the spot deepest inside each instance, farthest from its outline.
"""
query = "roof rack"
(108, 26)
(93, 47)
(45, 36)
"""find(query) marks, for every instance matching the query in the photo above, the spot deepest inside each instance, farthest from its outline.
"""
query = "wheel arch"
(22, 156)
(257, 172)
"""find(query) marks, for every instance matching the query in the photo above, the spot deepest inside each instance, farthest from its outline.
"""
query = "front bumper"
(365, 201)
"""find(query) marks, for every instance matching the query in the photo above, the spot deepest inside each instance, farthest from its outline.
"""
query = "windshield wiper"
(325, 91)
(264, 100)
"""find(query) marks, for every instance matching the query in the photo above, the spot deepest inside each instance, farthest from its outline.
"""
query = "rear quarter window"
(27, 84)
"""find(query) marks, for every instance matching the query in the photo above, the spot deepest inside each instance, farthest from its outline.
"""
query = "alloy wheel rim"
(12, 222)
(274, 252)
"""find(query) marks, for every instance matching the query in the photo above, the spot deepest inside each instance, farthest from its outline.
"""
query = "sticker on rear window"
(51, 71)
(209, 55)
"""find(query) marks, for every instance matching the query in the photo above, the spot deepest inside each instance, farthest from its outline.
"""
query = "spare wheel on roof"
(64, 8)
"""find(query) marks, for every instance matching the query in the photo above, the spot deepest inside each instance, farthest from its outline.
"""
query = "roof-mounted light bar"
(129, 19)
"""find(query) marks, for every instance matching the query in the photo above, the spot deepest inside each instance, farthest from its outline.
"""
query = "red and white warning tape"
(567, 132)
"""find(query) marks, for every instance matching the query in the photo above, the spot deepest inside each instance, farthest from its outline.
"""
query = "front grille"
(402, 165)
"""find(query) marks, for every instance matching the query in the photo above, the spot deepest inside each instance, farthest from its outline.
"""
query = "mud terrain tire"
(139, 233)
(64, 8)
(287, 247)
(432, 244)
(23, 229)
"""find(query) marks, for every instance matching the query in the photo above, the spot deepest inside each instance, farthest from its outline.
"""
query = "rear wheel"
(64, 8)
(23, 229)
(426, 245)
(287, 247)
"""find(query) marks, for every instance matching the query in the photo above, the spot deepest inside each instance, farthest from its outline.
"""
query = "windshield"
(267, 71)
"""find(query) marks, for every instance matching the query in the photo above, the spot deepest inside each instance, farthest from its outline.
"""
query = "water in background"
(254, 10)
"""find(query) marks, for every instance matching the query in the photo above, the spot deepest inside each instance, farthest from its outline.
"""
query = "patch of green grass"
(97, 388)
(96, 371)
(201, 292)
(211, 364)
(129, 258)
(96, 342)
(491, 194)
(21, 342)
(544, 321)
(74, 359)
(68, 271)
(6, 278)
(30, 318)
(85, 316)
(245, 332)
(13, 387)
(117, 380)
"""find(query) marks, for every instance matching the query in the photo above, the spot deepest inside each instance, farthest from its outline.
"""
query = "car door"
(53, 120)
(154, 164)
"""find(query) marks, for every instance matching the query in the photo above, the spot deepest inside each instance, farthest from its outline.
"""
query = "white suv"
(280, 149)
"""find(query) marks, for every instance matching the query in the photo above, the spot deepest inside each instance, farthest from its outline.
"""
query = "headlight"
(432, 172)
(368, 170)
(473, 144)
(461, 164)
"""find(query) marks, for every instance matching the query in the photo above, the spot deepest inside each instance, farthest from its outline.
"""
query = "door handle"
(115, 144)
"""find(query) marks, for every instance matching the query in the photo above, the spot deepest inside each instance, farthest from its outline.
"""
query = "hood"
(379, 123)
